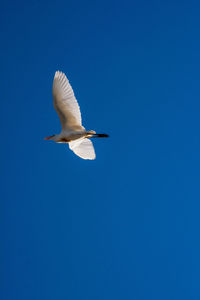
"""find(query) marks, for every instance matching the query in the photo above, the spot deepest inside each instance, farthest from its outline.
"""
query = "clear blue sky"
(127, 225)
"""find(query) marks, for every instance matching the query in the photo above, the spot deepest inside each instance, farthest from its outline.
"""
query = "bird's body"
(67, 136)
(68, 111)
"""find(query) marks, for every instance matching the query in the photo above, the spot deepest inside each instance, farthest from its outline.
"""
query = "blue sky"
(125, 226)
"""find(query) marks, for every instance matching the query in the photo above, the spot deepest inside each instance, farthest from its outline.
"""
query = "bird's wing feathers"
(83, 148)
(65, 103)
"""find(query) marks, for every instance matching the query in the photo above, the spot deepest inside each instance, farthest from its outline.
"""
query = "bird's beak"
(48, 137)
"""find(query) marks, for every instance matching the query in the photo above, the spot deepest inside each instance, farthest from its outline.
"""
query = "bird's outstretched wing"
(83, 148)
(65, 103)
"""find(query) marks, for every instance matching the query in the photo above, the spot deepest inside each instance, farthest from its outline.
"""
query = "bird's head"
(49, 137)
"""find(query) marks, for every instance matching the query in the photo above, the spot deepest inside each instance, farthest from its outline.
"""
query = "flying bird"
(68, 110)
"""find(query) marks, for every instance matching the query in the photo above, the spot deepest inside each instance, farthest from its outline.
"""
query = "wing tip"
(88, 158)
(60, 76)
(92, 157)
(57, 74)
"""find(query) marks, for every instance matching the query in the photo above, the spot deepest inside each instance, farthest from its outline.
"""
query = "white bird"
(69, 113)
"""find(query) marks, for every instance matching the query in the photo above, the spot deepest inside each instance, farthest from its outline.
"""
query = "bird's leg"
(100, 135)
(93, 134)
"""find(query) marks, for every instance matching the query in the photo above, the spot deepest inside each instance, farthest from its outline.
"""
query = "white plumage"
(68, 110)
(65, 103)
(83, 148)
